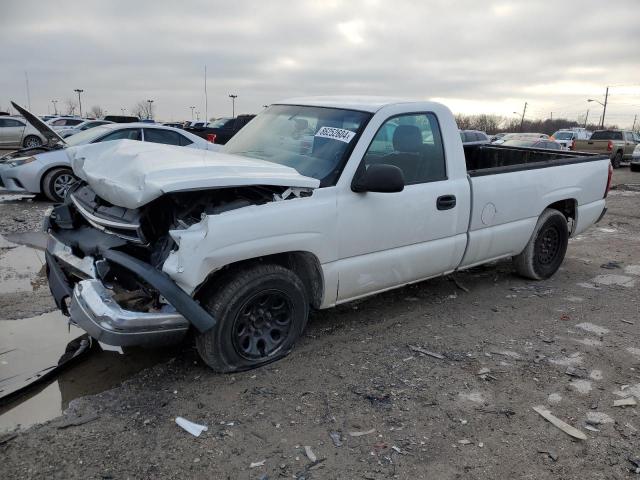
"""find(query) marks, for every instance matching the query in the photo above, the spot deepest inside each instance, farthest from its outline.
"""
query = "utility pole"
(55, 107)
(79, 91)
(206, 97)
(123, 110)
(604, 110)
(635, 117)
(192, 108)
(552, 116)
(150, 112)
(233, 104)
(524, 111)
(586, 118)
(26, 80)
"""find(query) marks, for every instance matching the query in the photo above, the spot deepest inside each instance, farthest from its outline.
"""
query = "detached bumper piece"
(94, 310)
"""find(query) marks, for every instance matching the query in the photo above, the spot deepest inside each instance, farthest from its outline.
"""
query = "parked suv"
(221, 130)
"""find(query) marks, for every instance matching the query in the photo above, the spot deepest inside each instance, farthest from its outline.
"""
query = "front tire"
(547, 247)
(56, 183)
(31, 141)
(260, 311)
(616, 160)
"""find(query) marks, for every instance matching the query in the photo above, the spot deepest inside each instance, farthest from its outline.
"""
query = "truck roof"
(363, 103)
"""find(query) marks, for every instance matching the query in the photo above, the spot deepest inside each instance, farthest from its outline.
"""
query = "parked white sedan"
(50, 172)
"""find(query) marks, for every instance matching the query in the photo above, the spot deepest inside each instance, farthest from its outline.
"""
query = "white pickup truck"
(316, 202)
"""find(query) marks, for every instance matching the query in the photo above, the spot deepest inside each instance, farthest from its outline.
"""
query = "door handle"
(446, 202)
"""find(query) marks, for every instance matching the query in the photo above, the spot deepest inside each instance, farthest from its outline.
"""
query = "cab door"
(11, 131)
(390, 239)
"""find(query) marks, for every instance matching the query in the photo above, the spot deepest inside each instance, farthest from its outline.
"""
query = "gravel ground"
(355, 397)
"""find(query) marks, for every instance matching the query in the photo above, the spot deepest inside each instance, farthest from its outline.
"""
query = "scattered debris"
(484, 371)
(464, 441)
(309, 453)
(257, 464)
(598, 418)
(592, 328)
(565, 427)
(425, 352)
(459, 285)
(577, 372)
(627, 321)
(193, 428)
(581, 386)
(360, 434)
(336, 438)
(589, 427)
(635, 461)
(7, 438)
(77, 421)
(399, 450)
(550, 453)
(625, 402)
(612, 279)
(554, 398)
(611, 265)
(564, 317)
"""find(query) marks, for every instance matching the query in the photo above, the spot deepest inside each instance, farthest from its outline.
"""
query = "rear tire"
(31, 141)
(617, 158)
(260, 311)
(546, 249)
(635, 167)
(56, 183)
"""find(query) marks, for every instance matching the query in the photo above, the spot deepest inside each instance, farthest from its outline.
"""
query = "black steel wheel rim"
(262, 324)
(548, 245)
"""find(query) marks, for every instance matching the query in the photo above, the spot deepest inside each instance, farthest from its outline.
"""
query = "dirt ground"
(354, 395)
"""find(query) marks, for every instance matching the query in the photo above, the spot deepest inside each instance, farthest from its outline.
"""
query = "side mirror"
(381, 178)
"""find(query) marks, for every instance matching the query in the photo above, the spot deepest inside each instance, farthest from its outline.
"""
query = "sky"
(474, 56)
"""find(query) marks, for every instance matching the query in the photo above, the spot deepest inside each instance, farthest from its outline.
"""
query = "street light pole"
(149, 112)
(192, 108)
(586, 118)
(55, 107)
(233, 104)
(524, 111)
(604, 110)
(79, 91)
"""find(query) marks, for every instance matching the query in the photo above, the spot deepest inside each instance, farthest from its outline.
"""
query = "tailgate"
(600, 146)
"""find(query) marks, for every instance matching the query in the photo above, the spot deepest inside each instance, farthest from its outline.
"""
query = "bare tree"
(142, 109)
(96, 112)
(70, 106)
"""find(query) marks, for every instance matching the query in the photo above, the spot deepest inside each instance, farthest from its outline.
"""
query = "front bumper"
(95, 311)
(80, 294)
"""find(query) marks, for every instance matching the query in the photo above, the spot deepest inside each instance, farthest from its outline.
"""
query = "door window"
(10, 122)
(412, 143)
(167, 137)
(125, 134)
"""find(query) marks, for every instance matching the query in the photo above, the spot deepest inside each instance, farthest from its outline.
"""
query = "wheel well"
(48, 171)
(304, 264)
(568, 209)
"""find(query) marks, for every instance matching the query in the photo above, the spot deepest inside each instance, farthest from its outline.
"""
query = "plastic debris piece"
(464, 441)
(565, 427)
(591, 428)
(193, 428)
(257, 464)
(551, 453)
(425, 352)
(360, 434)
(336, 438)
(77, 421)
(625, 402)
(309, 453)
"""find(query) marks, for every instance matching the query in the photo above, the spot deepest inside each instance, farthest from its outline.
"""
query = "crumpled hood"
(130, 173)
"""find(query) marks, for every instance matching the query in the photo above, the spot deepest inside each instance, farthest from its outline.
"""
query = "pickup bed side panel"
(506, 206)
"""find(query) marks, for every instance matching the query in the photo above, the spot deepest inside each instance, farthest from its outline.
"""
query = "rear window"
(606, 135)
(563, 135)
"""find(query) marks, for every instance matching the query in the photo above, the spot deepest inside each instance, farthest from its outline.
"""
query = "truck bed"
(494, 159)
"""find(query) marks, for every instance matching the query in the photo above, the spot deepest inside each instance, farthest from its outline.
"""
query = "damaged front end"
(104, 262)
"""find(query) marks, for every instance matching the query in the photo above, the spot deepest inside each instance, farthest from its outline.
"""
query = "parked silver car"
(81, 127)
(16, 132)
(50, 172)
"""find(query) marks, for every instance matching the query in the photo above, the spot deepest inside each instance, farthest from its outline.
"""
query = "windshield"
(563, 135)
(316, 141)
(87, 136)
(606, 135)
(219, 123)
(519, 143)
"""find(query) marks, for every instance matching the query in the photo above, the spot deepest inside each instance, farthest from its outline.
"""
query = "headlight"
(17, 162)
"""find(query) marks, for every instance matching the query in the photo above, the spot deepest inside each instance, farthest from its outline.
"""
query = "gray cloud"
(475, 56)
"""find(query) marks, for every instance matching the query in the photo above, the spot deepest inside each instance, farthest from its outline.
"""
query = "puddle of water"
(18, 268)
(34, 344)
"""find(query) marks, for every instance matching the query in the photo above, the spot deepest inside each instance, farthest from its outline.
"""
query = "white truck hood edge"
(130, 173)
